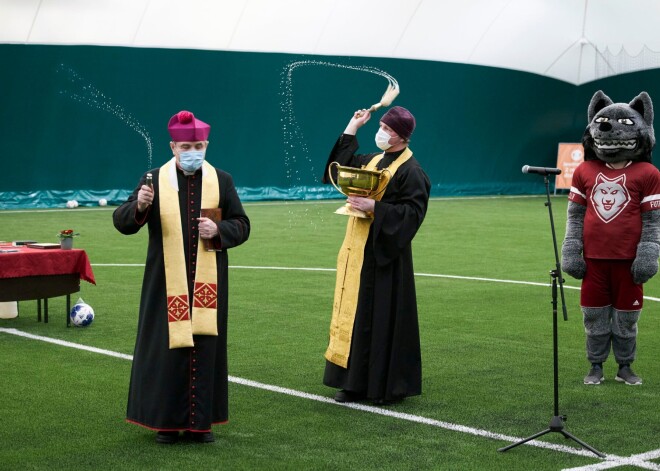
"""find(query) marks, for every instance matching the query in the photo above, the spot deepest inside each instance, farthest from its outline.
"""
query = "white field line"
(429, 275)
(54, 210)
(611, 460)
(64, 343)
(280, 203)
(639, 460)
(327, 400)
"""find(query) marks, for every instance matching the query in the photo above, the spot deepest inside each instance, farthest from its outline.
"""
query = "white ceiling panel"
(194, 24)
(102, 22)
(571, 40)
(16, 18)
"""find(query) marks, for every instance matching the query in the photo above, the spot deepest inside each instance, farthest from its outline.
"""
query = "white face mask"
(383, 139)
(191, 160)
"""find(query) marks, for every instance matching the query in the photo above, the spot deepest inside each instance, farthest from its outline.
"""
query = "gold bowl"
(353, 181)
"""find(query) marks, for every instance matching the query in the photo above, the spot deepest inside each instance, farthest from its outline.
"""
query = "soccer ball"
(81, 314)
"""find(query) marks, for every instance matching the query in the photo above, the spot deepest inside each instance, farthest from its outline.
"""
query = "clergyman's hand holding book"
(215, 215)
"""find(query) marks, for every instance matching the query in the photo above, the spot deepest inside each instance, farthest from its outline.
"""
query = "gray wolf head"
(619, 131)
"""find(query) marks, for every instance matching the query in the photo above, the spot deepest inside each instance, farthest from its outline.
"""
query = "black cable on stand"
(557, 422)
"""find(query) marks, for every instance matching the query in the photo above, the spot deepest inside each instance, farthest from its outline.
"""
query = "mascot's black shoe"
(628, 376)
(348, 396)
(167, 438)
(199, 437)
(595, 375)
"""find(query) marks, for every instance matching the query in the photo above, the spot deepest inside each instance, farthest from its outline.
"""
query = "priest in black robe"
(374, 351)
(179, 378)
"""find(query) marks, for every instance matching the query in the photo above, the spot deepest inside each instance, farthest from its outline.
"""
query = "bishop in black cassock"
(177, 388)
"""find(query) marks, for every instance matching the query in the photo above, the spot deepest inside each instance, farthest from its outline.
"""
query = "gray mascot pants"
(608, 327)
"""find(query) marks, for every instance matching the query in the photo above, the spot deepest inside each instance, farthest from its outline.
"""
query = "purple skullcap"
(400, 120)
(184, 127)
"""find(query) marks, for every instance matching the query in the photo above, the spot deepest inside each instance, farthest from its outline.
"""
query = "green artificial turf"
(486, 352)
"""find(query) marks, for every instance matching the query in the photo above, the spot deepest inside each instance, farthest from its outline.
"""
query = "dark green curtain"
(84, 122)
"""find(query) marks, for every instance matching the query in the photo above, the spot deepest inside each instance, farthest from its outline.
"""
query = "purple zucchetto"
(400, 120)
(184, 127)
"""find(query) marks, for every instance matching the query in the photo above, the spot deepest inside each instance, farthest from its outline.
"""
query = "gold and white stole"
(205, 295)
(349, 268)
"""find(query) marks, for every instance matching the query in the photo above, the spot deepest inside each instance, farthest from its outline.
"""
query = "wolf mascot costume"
(612, 237)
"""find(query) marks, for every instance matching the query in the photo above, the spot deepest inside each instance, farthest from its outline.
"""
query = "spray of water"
(296, 152)
(85, 93)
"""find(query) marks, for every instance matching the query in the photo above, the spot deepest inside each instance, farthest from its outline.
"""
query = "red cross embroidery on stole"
(177, 308)
(206, 295)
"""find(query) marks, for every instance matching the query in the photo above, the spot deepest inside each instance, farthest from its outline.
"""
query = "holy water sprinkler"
(388, 97)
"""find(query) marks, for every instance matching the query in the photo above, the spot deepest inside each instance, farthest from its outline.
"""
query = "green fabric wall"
(75, 119)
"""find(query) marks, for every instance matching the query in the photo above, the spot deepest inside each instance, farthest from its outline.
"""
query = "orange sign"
(569, 156)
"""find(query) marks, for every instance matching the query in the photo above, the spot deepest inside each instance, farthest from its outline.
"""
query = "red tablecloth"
(36, 262)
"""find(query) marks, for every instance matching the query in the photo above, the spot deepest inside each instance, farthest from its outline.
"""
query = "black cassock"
(385, 359)
(183, 388)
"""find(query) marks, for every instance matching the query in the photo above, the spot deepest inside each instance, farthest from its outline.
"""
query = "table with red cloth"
(27, 273)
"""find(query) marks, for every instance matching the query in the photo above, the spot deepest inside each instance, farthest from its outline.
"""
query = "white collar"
(625, 166)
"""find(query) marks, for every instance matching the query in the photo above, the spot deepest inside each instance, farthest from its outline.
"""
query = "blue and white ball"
(81, 314)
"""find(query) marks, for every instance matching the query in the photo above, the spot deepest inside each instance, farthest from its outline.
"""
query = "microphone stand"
(557, 422)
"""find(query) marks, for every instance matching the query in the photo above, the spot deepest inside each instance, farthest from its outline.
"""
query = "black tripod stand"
(557, 422)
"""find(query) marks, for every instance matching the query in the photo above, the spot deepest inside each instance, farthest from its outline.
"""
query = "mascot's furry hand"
(572, 261)
(646, 262)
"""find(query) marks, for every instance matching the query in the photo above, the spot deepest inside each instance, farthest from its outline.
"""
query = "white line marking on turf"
(118, 264)
(361, 407)
(429, 275)
(411, 417)
(639, 460)
(53, 210)
(280, 203)
(64, 343)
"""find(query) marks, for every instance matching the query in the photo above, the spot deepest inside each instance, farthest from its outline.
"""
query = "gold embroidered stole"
(205, 294)
(349, 268)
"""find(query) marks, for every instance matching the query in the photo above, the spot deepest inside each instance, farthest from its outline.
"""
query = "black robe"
(182, 388)
(385, 359)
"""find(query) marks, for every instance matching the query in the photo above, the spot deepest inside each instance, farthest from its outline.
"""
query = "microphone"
(541, 170)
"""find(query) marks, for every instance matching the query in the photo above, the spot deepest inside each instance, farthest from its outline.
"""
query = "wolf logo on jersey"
(609, 197)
